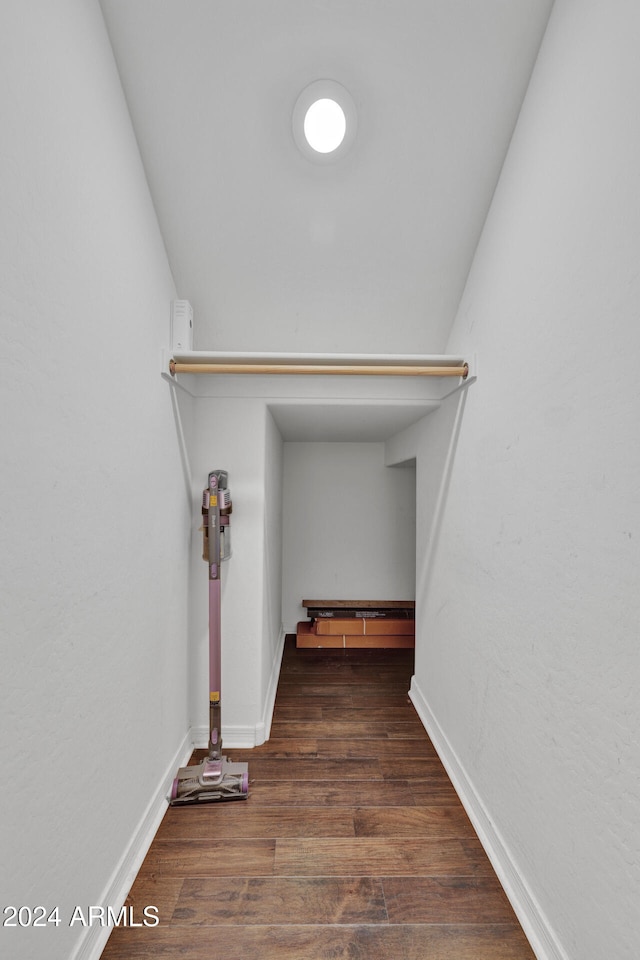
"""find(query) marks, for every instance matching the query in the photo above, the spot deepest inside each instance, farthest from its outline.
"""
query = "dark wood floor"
(352, 843)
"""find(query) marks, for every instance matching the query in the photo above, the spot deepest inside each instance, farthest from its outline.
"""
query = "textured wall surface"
(528, 654)
(229, 434)
(349, 526)
(272, 563)
(95, 521)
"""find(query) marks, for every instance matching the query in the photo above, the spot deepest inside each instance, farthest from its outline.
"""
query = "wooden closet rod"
(363, 370)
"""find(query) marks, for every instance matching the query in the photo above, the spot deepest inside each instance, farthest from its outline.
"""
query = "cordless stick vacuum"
(215, 778)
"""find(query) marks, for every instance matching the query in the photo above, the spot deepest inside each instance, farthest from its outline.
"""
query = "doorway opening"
(349, 525)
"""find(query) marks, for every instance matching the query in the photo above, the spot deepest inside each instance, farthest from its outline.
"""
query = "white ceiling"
(346, 423)
(369, 254)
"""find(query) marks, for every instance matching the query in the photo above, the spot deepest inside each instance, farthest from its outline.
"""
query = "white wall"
(94, 520)
(272, 631)
(229, 434)
(94, 510)
(349, 526)
(308, 518)
(240, 436)
(527, 665)
(277, 502)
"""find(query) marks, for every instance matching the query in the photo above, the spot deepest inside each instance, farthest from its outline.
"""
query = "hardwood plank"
(364, 700)
(339, 666)
(381, 857)
(361, 729)
(278, 748)
(378, 673)
(318, 699)
(354, 665)
(210, 858)
(252, 820)
(410, 729)
(431, 791)
(403, 714)
(336, 696)
(326, 666)
(281, 900)
(411, 821)
(161, 892)
(310, 684)
(372, 685)
(312, 769)
(380, 749)
(317, 942)
(341, 793)
(447, 900)
(300, 711)
(369, 668)
(412, 768)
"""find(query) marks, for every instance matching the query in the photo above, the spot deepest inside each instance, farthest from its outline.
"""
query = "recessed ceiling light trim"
(319, 103)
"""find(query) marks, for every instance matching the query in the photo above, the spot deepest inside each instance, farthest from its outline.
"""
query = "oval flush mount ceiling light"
(324, 121)
(325, 125)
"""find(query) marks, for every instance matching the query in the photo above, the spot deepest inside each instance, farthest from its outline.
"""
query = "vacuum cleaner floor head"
(199, 784)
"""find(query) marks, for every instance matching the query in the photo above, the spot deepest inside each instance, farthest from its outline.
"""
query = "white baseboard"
(535, 924)
(115, 893)
(238, 737)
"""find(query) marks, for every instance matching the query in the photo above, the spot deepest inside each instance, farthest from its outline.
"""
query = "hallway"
(352, 843)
